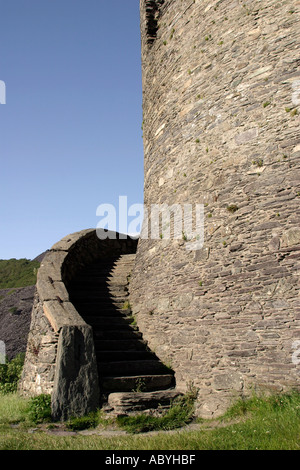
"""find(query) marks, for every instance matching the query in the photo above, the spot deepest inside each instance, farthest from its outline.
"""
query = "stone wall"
(221, 95)
(60, 357)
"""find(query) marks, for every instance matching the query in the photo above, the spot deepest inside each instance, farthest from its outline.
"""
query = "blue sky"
(70, 131)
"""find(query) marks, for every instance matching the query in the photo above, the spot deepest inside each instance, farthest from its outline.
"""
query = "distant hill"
(15, 316)
(18, 273)
(17, 288)
(40, 257)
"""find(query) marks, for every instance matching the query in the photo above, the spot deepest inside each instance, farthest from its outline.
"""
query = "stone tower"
(221, 96)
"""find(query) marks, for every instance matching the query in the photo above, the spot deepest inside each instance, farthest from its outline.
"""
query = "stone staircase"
(131, 376)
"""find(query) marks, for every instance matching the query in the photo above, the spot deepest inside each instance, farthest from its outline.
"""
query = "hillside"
(17, 288)
(17, 273)
(15, 314)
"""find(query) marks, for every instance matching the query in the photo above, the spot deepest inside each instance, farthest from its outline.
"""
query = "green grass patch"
(92, 420)
(39, 409)
(13, 409)
(268, 423)
(18, 273)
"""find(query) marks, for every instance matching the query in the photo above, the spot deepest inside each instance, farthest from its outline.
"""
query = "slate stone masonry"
(221, 95)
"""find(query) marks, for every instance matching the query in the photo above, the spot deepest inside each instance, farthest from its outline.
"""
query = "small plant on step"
(126, 305)
(140, 385)
(133, 321)
(258, 162)
(192, 391)
(232, 208)
(184, 236)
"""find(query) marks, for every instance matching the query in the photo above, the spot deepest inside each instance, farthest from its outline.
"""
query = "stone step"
(128, 368)
(105, 277)
(110, 323)
(97, 297)
(103, 311)
(84, 306)
(117, 334)
(127, 355)
(87, 279)
(146, 383)
(126, 403)
(125, 363)
(108, 273)
(100, 298)
(120, 344)
(90, 287)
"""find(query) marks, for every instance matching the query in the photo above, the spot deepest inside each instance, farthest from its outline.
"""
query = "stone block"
(75, 390)
(60, 314)
(291, 237)
(132, 402)
(230, 380)
(67, 242)
(51, 290)
(51, 266)
(246, 136)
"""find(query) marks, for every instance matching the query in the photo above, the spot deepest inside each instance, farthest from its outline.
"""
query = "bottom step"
(128, 403)
(141, 383)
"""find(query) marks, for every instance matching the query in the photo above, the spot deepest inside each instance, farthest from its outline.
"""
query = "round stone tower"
(221, 96)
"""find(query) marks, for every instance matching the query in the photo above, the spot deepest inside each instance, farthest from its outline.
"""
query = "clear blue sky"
(70, 131)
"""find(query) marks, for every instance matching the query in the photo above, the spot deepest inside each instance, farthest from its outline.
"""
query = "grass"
(270, 423)
(18, 273)
(13, 409)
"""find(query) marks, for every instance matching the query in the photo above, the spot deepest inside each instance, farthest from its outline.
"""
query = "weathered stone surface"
(291, 237)
(246, 136)
(66, 243)
(51, 290)
(221, 128)
(51, 266)
(39, 368)
(75, 390)
(132, 402)
(60, 314)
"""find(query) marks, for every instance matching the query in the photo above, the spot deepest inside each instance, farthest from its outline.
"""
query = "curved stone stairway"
(131, 376)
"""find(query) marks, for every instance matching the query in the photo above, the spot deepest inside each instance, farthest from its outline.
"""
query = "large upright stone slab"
(76, 390)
